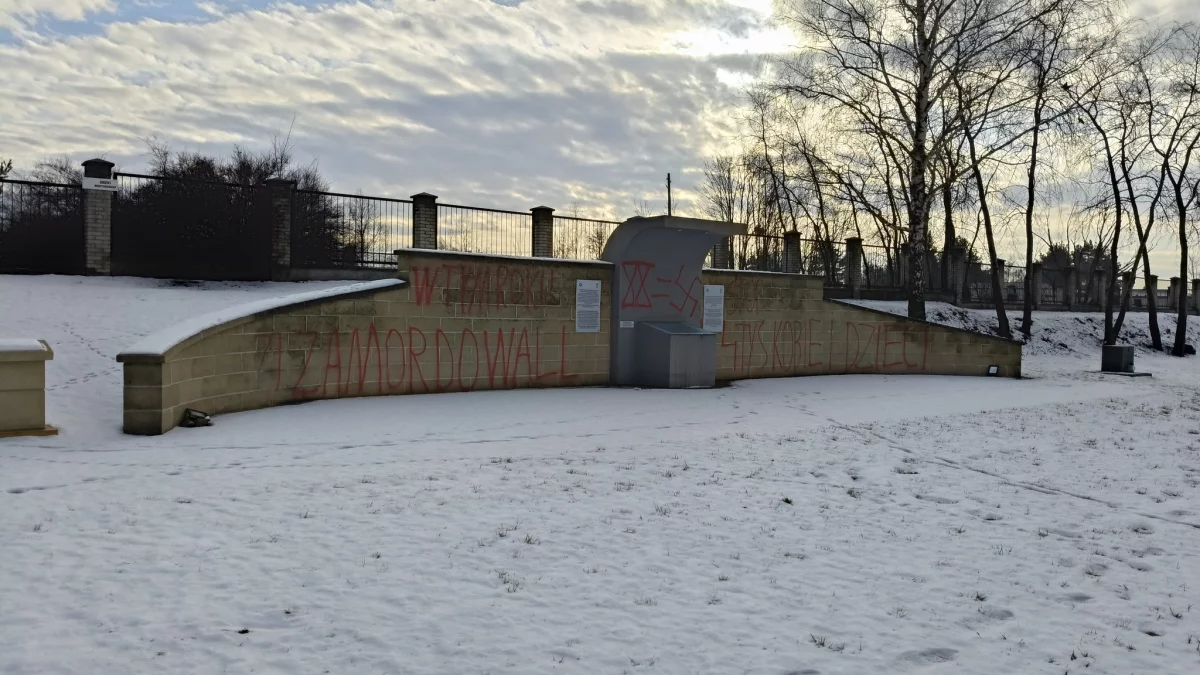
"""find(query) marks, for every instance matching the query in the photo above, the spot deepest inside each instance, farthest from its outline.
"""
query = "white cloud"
(13, 13)
(546, 101)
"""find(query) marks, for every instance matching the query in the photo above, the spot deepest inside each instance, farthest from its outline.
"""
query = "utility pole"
(670, 207)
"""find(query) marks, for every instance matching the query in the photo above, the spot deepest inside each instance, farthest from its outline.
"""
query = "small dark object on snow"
(195, 418)
(1189, 350)
(243, 631)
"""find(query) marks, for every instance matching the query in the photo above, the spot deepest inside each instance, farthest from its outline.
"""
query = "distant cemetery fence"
(166, 227)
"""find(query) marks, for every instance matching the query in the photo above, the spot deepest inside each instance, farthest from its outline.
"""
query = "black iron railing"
(41, 228)
(473, 229)
(331, 229)
(191, 229)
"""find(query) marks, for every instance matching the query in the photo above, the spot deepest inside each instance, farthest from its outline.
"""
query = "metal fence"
(191, 229)
(332, 230)
(476, 230)
(881, 268)
(41, 228)
(581, 238)
(1012, 283)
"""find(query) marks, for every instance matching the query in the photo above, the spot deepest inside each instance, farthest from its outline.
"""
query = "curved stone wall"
(455, 322)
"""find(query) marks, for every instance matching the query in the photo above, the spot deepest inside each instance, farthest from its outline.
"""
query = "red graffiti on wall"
(478, 289)
(412, 362)
(795, 347)
(874, 346)
(643, 291)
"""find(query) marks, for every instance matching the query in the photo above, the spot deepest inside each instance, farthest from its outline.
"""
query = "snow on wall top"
(497, 256)
(158, 344)
(21, 345)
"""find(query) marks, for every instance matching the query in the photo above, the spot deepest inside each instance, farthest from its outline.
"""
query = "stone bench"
(23, 387)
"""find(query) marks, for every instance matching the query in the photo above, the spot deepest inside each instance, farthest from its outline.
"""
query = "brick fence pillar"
(543, 232)
(1173, 298)
(97, 221)
(1072, 285)
(854, 266)
(792, 263)
(1035, 284)
(1152, 290)
(1127, 280)
(280, 192)
(1001, 263)
(1196, 295)
(958, 272)
(424, 221)
(723, 255)
(902, 263)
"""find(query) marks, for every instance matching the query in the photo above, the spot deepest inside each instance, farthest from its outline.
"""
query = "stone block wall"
(456, 322)
(778, 325)
(451, 323)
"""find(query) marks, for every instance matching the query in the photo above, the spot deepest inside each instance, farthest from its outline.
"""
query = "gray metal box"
(674, 355)
(1117, 359)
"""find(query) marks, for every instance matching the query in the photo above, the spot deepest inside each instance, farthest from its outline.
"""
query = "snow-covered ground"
(863, 524)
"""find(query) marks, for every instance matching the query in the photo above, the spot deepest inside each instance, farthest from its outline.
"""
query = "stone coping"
(25, 349)
(155, 348)
(429, 252)
(955, 329)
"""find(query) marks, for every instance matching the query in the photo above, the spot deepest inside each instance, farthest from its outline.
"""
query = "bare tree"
(1056, 44)
(884, 66)
(5, 168)
(1172, 87)
(363, 226)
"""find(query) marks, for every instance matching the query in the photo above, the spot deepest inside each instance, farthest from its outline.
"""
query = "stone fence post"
(1101, 294)
(97, 221)
(1035, 283)
(792, 263)
(1127, 280)
(902, 264)
(1173, 297)
(1000, 265)
(1196, 295)
(723, 255)
(424, 221)
(1152, 290)
(543, 232)
(1071, 291)
(854, 266)
(958, 272)
(280, 191)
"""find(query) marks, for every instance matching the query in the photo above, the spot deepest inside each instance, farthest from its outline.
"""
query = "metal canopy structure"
(658, 301)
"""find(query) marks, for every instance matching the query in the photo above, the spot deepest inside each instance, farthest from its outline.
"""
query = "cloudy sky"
(508, 103)
(511, 103)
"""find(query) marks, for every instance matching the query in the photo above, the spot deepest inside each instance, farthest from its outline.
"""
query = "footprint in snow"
(1076, 597)
(937, 500)
(997, 614)
(927, 656)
